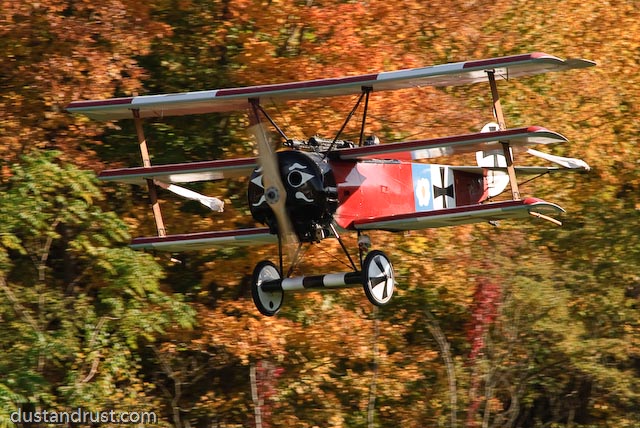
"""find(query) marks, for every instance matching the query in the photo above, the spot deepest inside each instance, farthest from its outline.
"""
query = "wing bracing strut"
(506, 147)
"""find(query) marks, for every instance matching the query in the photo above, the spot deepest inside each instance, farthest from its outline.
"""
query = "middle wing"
(518, 138)
(183, 172)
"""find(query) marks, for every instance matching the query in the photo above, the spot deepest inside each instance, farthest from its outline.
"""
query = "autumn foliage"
(520, 325)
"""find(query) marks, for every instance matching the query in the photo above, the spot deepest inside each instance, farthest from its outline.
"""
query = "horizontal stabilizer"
(571, 163)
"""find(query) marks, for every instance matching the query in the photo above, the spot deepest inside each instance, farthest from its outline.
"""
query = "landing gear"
(378, 278)
(267, 302)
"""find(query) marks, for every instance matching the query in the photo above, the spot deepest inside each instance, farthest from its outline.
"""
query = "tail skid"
(545, 217)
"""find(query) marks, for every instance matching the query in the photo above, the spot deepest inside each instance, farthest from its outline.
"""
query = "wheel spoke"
(383, 277)
(378, 262)
(378, 270)
(377, 281)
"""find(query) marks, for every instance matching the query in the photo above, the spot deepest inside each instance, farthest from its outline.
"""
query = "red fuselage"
(382, 188)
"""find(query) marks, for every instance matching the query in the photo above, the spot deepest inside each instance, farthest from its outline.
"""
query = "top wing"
(431, 148)
(218, 100)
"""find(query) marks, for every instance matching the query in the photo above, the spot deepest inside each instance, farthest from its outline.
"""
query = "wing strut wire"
(366, 90)
(258, 107)
(344, 247)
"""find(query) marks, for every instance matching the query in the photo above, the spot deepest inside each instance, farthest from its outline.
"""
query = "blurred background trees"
(521, 325)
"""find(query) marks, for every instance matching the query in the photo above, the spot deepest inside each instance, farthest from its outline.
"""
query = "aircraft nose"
(272, 195)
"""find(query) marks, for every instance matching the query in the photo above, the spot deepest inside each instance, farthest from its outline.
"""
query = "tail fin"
(497, 181)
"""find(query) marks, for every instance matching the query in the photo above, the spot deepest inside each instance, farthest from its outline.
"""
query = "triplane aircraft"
(315, 189)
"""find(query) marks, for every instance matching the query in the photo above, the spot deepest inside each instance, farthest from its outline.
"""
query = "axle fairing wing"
(233, 99)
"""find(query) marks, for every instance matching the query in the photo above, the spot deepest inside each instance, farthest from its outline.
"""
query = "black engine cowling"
(311, 194)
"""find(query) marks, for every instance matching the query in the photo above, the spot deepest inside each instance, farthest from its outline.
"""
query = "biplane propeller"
(318, 188)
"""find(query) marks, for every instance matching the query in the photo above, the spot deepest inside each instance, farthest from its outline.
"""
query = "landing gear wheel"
(267, 302)
(378, 278)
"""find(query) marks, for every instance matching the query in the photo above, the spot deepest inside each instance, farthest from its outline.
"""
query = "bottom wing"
(206, 240)
(462, 215)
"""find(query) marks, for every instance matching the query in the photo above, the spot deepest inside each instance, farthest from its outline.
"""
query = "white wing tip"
(214, 204)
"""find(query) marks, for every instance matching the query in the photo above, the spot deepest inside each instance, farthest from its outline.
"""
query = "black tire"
(267, 302)
(378, 278)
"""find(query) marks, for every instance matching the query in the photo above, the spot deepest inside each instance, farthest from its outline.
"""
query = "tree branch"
(441, 339)
(92, 341)
(19, 309)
